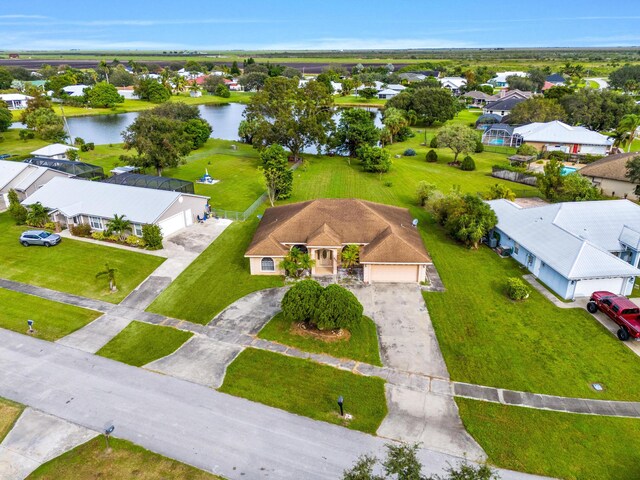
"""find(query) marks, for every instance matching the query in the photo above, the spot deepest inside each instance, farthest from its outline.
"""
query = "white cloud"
(21, 16)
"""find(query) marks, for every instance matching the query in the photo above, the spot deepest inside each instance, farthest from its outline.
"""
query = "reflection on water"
(107, 129)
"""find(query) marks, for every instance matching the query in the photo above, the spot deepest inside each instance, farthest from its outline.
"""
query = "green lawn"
(362, 346)
(9, 413)
(306, 388)
(219, 277)
(52, 320)
(240, 181)
(10, 143)
(532, 345)
(355, 101)
(125, 461)
(140, 343)
(555, 444)
(71, 266)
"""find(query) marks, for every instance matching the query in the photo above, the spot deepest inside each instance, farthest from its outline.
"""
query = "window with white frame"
(95, 222)
(267, 265)
(137, 229)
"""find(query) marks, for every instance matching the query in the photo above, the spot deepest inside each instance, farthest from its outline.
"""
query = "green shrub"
(517, 289)
(97, 235)
(479, 146)
(434, 142)
(112, 238)
(388, 184)
(432, 156)
(81, 230)
(26, 135)
(557, 155)
(85, 147)
(78, 141)
(152, 236)
(527, 150)
(337, 308)
(468, 164)
(409, 152)
(17, 211)
(300, 301)
(50, 226)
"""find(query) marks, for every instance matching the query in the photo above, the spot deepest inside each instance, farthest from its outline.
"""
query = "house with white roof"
(75, 90)
(55, 150)
(500, 80)
(575, 248)
(72, 202)
(387, 93)
(453, 83)
(15, 101)
(558, 136)
(24, 179)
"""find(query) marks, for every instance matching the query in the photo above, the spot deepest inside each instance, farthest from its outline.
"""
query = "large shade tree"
(430, 104)
(459, 138)
(287, 115)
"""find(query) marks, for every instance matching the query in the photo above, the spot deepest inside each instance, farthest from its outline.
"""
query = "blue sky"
(328, 24)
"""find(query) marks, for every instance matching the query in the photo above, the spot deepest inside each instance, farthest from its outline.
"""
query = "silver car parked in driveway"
(39, 237)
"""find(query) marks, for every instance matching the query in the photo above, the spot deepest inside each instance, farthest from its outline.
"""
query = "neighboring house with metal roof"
(454, 84)
(55, 150)
(391, 249)
(500, 80)
(575, 248)
(73, 201)
(387, 93)
(15, 101)
(558, 136)
(23, 178)
(609, 174)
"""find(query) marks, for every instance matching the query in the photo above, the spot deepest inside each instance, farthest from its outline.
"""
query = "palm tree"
(619, 138)
(110, 274)
(37, 215)
(296, 262)
(104, 68)
(119, 225)
(179, 83)
(629, 124)
(165, 75)
(350, 256)
(633, 169)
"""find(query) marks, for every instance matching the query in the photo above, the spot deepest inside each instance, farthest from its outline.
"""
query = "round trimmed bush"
(468, 164)
(479, 146)
(517, 289)
(434, 142)
(528, 150)
(299, 303)
(432, 156)
(337, 308)
(409, 152)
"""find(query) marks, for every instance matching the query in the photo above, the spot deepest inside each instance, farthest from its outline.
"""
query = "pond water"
(107, 129)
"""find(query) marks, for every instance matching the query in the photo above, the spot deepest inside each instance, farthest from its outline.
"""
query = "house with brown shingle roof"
(391, 249)
(609, 174)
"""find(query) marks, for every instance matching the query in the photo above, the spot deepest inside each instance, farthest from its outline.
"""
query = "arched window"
(267, 265)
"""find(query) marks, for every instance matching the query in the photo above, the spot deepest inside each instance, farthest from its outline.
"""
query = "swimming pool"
(567, 170)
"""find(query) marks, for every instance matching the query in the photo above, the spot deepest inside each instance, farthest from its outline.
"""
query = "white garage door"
(394, 273)
(172, 224)
(584, 288)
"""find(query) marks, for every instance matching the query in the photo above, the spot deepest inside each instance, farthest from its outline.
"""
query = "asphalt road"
(191, 423)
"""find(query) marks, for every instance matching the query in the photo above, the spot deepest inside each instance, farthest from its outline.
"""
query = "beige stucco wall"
(254, 266)
(616, 188)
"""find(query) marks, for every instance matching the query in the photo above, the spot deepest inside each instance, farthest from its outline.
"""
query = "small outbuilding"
(55, 150)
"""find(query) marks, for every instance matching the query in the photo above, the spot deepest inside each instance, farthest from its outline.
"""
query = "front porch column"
(313, 255)
(335, 262)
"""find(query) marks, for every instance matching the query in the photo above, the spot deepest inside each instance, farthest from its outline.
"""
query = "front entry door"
(325, 258)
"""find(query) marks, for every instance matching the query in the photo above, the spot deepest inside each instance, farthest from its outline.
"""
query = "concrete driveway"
(408, 343)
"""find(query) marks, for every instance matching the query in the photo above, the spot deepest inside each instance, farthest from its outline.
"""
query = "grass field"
(361, 346)
(11, 144)
(125, 461)
(307, 388)
(555, 444)
(240, 181)
(355, 101)
(130, 105)
(140, 343)
(218, 278)
(9, 413)
(71, 266)
(52, 320)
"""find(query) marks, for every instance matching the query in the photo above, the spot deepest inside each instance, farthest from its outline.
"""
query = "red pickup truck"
(620, 309)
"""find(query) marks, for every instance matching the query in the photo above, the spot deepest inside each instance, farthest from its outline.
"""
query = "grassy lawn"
(219, 277)
(10, 143)
(140, 343)
(355, 101)
(362, 346)
(240, 181)
(532, 345)
(306, 388)
(72, 265)
(555, 444)
(125, 461)
(9, 413)
(52, 320)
